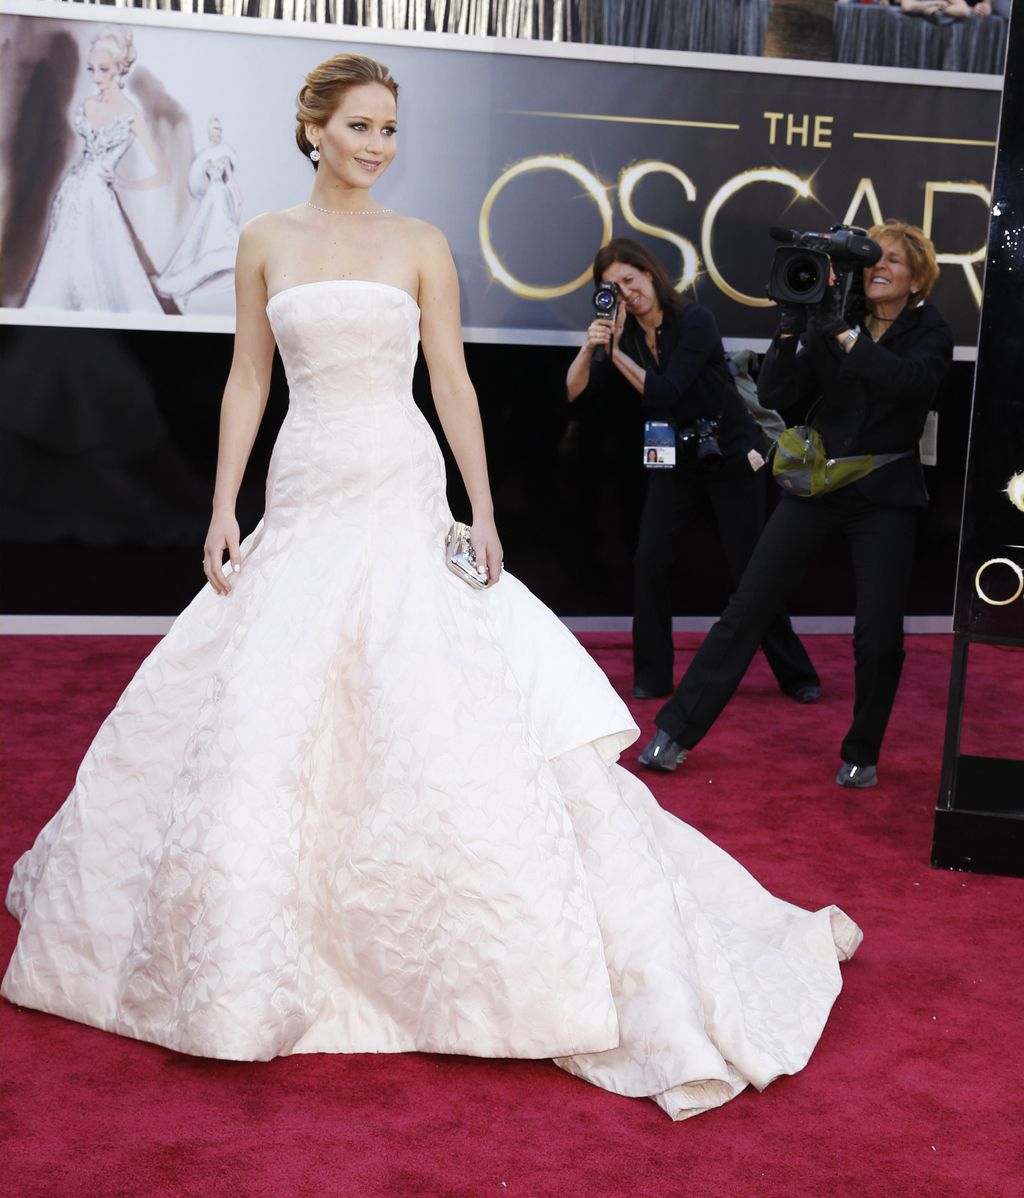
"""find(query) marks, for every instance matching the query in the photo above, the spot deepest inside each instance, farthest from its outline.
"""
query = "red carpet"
(914, 1089)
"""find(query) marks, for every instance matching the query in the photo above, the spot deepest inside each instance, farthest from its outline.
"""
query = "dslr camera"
(800, 269)
(701, 439)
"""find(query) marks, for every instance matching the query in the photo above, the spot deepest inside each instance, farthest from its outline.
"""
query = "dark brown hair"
(924, 268)
(632, 253)
(327, 83)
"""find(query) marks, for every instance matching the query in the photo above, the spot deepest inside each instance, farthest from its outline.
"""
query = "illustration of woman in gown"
(206, 255)
(351, 804)
(90, 260)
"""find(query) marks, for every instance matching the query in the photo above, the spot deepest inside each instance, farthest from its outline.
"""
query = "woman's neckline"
(346, 282)
(96, 130)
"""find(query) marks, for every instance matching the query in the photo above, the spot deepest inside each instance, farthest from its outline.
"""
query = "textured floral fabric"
(358, 806)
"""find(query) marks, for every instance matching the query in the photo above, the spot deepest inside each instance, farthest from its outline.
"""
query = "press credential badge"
(659, 445)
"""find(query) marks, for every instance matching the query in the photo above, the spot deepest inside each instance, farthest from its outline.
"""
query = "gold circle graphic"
(999, 561)
(541, 162)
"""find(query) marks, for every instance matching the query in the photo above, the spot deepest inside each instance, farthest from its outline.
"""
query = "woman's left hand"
(620, 324)
(487, 547)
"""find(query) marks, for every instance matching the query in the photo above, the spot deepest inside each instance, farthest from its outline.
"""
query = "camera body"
(606, 300)
(606, 303)
(800, 268)
(701, 439)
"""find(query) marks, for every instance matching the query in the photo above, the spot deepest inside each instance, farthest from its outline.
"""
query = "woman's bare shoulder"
(425, 245)
(268, 226)
(421, 232)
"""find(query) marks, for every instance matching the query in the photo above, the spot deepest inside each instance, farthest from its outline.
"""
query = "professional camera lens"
(605, 299)
(798, 276)
(802, 275)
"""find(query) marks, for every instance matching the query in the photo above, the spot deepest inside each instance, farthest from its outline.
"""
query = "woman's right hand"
(222, 536)
(599, 334)
(792, 319)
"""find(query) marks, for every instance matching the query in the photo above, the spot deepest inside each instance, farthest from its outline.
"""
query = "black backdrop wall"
(104, 486)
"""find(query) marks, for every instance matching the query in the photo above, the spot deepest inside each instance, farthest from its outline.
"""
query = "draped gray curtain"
(888, 37)
(710, 26)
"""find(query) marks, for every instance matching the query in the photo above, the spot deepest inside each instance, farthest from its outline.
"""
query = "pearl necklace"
(348, 211)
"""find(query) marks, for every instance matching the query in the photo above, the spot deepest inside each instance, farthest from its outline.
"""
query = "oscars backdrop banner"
(528, 156)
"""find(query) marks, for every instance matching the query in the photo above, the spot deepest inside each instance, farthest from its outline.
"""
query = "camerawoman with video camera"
(860, 353)
(649, 347)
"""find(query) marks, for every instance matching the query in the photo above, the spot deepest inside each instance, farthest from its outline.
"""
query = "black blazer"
(874, 399)
(689, 378)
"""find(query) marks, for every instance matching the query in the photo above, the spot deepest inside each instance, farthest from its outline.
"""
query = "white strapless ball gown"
(90, 262)
(358, 806)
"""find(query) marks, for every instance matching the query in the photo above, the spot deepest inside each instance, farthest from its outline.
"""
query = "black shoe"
(858, 776)
(662, 753)
(806, 694)
(643, 692)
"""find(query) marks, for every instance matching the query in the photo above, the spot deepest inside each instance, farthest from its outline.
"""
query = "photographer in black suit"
(666, 354)
(872, 389)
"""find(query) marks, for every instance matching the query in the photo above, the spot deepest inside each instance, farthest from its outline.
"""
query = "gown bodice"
(354, 452)
(345, 342)
(211, 165)
(102, 148)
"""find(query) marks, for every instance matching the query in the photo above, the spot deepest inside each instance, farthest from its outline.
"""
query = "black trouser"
(881, 541)
(737, 495)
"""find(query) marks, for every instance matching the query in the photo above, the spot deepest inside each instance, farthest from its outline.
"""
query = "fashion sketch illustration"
(92, 259)
(205, 259)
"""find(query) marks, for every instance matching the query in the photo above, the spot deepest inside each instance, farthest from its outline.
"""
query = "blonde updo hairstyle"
(325, 86)
(920, 251)
(117, 41)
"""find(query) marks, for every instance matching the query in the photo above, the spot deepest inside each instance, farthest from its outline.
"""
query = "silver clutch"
(460, 557)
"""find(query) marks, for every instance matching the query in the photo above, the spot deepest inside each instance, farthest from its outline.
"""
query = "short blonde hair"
(118, 42)
(327, 83)
(924, 268)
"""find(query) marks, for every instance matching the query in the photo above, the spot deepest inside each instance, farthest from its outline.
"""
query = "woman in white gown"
(351, 804)
(90, 261)
(206, 254)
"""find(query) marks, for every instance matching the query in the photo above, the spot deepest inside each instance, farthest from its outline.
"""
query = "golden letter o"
(999, 561)
(541, 162)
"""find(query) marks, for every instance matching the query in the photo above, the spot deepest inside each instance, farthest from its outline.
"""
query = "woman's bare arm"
(599, 334)
(245, 399)
(454, 396)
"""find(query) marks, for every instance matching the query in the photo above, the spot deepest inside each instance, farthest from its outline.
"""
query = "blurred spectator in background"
(955, 9)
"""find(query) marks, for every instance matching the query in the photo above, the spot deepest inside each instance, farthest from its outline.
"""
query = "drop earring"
(314, 155)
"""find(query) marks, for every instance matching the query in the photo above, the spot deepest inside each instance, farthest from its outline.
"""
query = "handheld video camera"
(800, 269)
(606, 301)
